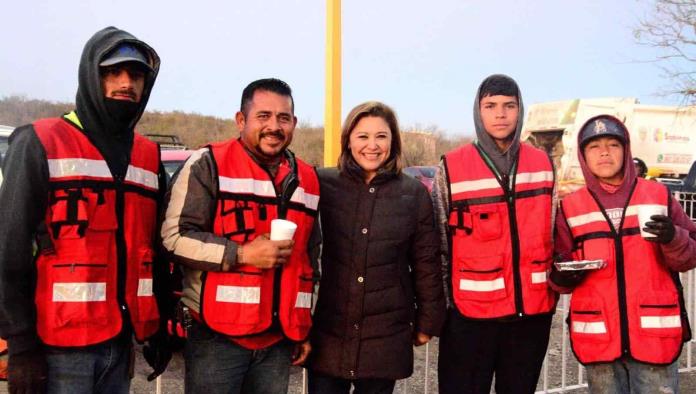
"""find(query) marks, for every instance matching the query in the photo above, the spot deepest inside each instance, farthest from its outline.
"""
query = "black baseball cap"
(602, 126)
(126, 53)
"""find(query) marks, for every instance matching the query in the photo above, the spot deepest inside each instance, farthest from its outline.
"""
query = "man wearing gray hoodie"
(494, 202)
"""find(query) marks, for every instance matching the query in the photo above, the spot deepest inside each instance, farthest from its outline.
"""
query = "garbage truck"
(664, 137)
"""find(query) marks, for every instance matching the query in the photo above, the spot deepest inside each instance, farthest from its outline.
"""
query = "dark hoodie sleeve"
(23, 200)
(563, 246)
(162, 278)
(680, 254)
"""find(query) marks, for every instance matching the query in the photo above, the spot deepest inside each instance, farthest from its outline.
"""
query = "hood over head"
(91, 105)
(502, 160)
(606, 125)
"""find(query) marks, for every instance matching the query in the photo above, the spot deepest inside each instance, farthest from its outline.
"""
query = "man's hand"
(27, 373)
(662, 227)
(300, 353)
(264, 253)
(157, 353)
(420, 339)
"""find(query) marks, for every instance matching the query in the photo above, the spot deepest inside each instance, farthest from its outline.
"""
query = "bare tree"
(670, 27)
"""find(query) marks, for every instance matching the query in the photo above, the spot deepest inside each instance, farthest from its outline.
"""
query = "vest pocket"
(69, 214)
(588, 321)
(145, 297)
(598, 249)
(540, 263)
(302, 307)
(479, 278)
(77, 293)
(237, 218)
(237, 299)
(659, 314)
(486, 222)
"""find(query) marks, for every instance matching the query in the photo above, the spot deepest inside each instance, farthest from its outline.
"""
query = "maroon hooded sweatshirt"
(679, 255)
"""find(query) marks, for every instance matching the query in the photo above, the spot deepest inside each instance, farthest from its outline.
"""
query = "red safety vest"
(501, 234)
(242, 302)
(95, 222)
(633, 307)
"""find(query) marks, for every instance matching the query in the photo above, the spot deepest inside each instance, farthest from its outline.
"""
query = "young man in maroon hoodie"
(627, 321)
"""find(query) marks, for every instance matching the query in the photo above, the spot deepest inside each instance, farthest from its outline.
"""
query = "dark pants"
(94, 369)
(471, 351)
(216, 365)
(323, 384)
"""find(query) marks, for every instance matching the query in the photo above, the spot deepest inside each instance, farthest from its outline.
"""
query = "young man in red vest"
(627, 321)
(493, 199)
(87, 189)
(250, 297)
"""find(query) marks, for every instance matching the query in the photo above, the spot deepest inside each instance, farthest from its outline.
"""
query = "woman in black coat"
(381, 287)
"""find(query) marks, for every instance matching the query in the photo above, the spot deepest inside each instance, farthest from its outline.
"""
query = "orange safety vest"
(247, 300)
(102, 231)
(501, 233)
(634, 306)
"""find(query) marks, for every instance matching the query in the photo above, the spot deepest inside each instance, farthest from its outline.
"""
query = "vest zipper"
(121, 251)
(508, 186)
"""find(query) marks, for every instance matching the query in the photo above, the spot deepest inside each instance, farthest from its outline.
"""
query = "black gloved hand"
(157, 353)
(662, 227)
(567, 278)
(27, 373)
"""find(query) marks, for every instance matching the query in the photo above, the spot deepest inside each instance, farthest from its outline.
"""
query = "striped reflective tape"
(265, 189)
(309, 200)
(238, 294)
(145, 288)
(492, 183)
(61, 168)
(304, 300)
(533, 177)
(481, 285)
(673, 321)
(79, 291)
(247, 186)
(539, 277)
(586, 327)
(479, 184)
(142, 177)
(587, 218)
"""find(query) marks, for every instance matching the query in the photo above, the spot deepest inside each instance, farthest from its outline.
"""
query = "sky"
(424, 59)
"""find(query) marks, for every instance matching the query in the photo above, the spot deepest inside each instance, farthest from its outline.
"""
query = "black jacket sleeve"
(23, 202)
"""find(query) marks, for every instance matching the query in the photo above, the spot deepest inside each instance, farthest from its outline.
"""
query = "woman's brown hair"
(346, 163)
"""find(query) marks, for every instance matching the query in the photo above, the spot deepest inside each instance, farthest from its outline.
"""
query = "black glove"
(662, 227)
(157, 353)
(27, 373)
(567, 278)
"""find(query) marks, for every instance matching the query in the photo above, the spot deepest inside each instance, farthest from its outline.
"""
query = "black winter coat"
(381, 279)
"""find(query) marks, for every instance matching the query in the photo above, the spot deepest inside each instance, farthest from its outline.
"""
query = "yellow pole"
(332, 104)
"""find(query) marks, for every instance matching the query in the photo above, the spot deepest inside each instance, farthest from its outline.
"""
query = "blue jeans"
(216, 365)
(97, 369)
(626, 376)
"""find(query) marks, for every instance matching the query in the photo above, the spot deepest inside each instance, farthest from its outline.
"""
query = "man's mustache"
(127, 92)
(276, 134)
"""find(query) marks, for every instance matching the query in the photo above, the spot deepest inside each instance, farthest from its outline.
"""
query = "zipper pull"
(72, 267)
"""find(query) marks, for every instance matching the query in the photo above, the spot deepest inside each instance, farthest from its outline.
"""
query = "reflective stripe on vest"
(242, 302)
(632, 306)
(491, 278)
(77, 290)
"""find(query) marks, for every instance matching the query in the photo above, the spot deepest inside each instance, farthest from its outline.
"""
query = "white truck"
(663, 137)
(5, 132)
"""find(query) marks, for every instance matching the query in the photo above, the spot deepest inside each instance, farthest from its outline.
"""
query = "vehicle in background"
(5, 132)
(425, 174)
(167, 141)
(173, 159)
(662, 136)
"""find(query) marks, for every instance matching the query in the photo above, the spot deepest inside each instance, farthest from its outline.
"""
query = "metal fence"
(561, 373)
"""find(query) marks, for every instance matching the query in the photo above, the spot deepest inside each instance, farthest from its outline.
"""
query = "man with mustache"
(249, 297)
(86, 188)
